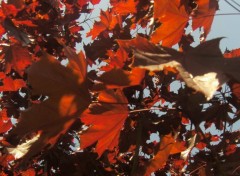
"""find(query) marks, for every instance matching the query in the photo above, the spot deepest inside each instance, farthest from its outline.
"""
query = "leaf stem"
(148, 109)
(220, 14)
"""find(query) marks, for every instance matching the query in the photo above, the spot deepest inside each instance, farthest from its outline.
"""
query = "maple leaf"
(116, 59)
(161, 156)
(68, 97)
(204, 15)
(203, 68)
(10, 84)
(17, 58)
(105, 128)
(124, 7)
(173, 19)
(108, 20)
(118, 78)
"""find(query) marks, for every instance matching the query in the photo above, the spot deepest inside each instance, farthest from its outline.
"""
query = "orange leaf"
(105, 128)
(12, 85)
(124, 7)
(162, 155)
(178, 147)
(108, 21)
(24, 22)
(204, 17)
(94, 2)
(185, 121)
(28, 172)
(116, 60)
(173, 18)
(232, 54)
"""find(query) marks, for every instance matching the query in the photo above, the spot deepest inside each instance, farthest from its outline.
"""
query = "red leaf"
(231, 148)
(185, 121)
(17, 58)
(5, 122)
(94, 2)
(82, 2)
(105, 128)
(234, 86)
(75, 29)
(204, 16)
(116, 59)
(232, 54)
(201, 145)
(215, 138)
(2, 30)
(5, 159)
(12, 85)
(9, 9)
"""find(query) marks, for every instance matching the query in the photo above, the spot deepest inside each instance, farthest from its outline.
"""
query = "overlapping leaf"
(68, 97)
(108, 20)
(174, 18)
(17, 58)
(202, 68)
(105, 128)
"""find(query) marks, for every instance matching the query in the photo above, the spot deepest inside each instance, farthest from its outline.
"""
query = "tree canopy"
(119, 92)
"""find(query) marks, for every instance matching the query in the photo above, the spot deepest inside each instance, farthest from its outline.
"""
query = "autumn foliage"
(94, 87)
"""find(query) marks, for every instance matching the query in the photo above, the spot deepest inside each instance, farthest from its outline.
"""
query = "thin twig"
(197, 169)
(236, 169)
(149, 109)
(232, 5)
(236, 3)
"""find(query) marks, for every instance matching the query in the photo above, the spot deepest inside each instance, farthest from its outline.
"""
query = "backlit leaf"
(105, 134)
(161, 156)
(68, 98)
